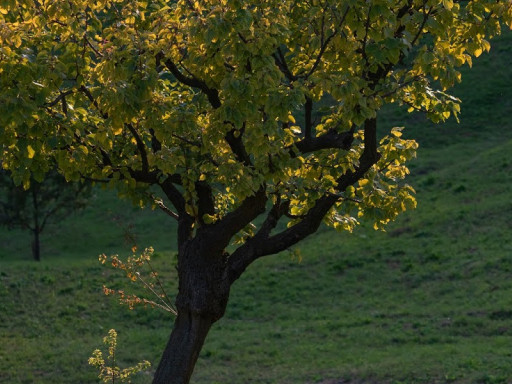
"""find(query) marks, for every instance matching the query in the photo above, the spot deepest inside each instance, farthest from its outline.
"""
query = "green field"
(428, 301)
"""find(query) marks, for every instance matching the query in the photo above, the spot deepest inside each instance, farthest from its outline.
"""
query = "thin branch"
(159, 202)
(95, 50)
(190, 142)
(365, 38)
(169, 301)
(166, 305)
(426, 15)
(194, 82)
(280, 61)
(59, 98)
(91, 98)
(140, 147)
(325, 44)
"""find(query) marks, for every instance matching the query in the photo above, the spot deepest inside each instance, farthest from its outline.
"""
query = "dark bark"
(182, 350)
(211, 93)
(202, 298)
(329, 140)
(36, 247)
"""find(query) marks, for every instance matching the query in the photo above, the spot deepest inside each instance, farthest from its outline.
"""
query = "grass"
(108, 225)
(428, 301)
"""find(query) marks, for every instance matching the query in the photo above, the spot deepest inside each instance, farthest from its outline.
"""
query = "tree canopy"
(235, 109)
(218, 96)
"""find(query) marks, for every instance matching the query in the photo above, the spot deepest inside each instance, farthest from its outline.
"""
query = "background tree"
(50, 200)
(213, 102)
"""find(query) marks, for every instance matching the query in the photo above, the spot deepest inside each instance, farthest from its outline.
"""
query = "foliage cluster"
(132, 267)
(137, 92)
(109, 371)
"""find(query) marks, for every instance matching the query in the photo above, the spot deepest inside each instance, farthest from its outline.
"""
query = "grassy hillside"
(428, 301)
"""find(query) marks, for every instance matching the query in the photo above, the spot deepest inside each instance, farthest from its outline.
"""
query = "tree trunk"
(36, 247)
(182, 350)
(203, 294)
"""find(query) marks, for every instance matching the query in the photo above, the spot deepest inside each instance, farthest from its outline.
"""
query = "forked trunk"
(182, 350)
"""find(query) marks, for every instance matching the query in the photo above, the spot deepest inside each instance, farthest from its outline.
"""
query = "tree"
(213, 103)
(52, 199)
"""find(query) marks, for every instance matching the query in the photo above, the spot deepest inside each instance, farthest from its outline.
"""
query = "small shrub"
(109, 371)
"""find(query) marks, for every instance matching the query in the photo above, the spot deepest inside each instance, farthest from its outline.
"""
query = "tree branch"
(262, 244)
(155, 143)
(185, 221)
(237, 145)
(194, 82)
(88, 94)
(244, 255)
(206, 201)
(324, 45)
(140, 147)
(220, 233)
(234, 142)
(332, 139)
(283, 67)
(426, 15)
(159, 202)
(59, 98)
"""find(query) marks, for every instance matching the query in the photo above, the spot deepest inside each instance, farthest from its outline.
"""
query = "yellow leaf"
(395, 132)
(486, 45)
(296, 129)
(17, 41)
(448, 4)
(31, 152)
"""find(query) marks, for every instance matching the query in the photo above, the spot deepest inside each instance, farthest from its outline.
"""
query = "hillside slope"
(428, 301)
